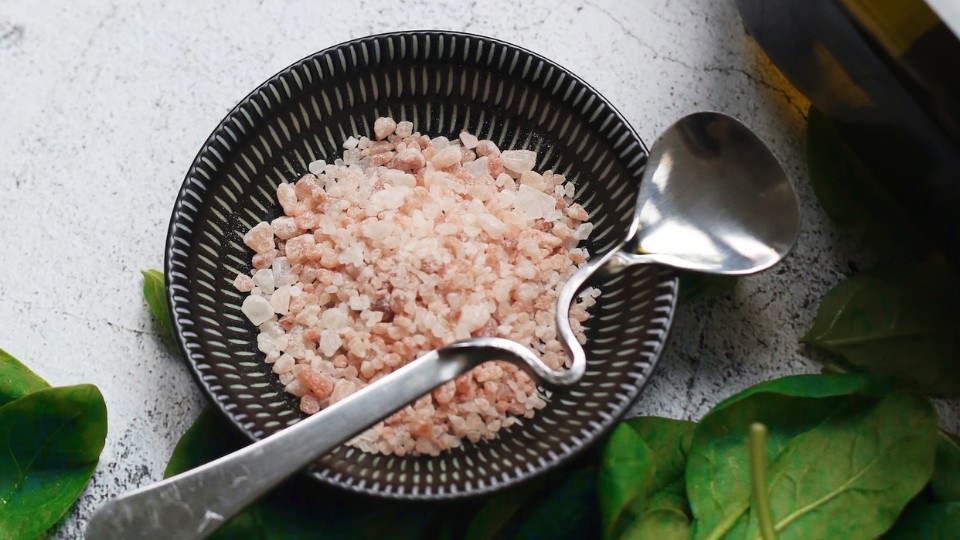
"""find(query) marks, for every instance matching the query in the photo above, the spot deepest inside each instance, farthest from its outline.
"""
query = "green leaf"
(16, 379)
(852, 476)
(642, 473)
(903, 323)
(945, 482)
(695, 286)
(853, 197)
(662, 524)
(567, 510)
(626, 472)
(927, 522)
(50, 442)
(154, 294)
(717, 474)
(501, 509)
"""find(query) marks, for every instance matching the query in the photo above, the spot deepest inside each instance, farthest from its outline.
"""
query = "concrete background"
(103, 106)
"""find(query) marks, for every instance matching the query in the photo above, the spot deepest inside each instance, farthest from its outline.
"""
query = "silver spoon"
(713, 199)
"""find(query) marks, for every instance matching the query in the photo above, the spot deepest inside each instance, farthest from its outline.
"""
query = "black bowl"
(443, 82)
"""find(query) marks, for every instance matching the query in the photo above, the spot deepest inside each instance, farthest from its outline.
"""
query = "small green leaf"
(16, 379)
(717, 474)
(945, 482)
(851, 476)
(851, 193)
(903, 323)
(50, 442)
(927, 522)
(695, 286)
(154, 294)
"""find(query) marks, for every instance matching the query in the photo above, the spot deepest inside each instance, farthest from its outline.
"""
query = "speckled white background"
(103, 106)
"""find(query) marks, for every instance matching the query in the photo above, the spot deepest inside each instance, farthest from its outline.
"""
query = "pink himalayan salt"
(415, 244)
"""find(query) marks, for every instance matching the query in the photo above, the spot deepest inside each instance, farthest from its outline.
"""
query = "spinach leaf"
(852, 196)
(154, 294)
(16, 379)
(852, 475)
(695, 286)
(501, 509)
(927, 522)
(717, 474)
(626, 472)
(568, 510)
(50, 442)
(662, 524)
(903, 323)
(945, 482)
(642, 473)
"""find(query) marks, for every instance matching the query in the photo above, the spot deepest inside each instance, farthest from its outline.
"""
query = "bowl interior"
(442, 82)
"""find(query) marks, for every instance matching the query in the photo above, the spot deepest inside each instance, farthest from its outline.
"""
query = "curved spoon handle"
(195, 503)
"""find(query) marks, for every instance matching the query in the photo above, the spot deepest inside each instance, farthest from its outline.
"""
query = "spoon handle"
(195, 503)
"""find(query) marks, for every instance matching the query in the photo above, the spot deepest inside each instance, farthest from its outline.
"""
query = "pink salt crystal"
(260, 238)
(243, 283)
(407, 160)
(287, 197)
(446, 157)
(384, 127)
(284, 227)
(299, 247)
(309, 404)
(487, 148)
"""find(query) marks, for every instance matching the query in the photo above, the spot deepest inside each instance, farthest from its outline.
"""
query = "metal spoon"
(713, 199)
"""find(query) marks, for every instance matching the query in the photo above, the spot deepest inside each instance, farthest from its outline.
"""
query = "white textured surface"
(103, 106)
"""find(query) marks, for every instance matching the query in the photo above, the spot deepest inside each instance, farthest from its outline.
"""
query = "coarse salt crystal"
(264, 280)
(469, 141)
(518, 161)
(257, 309)
(280, 300)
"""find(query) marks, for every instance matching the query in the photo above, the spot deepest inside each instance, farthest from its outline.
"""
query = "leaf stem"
(757, 457)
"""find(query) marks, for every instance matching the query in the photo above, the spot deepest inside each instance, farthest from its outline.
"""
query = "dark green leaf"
(717, 473)
(16, 379)
(928, 522)
(50, 442)
(154, 294)
(695, 286)
(850, 193)
(500, 509)
(626, 472)
(903, 323)
(642, 473)
(662, 524)
(813, 386)
(568, 510)
(945, 482)
(852, 476)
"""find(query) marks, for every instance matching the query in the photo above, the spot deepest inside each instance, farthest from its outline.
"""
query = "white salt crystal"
(329, 342)
(264, 280)
(257, 309)
(351, 142)
(404, 129)
(359, 302)
(582, 232)
(493, 226)
(265, 344)
(281, 269)
(280, 300)
(469, 141)
(478, 168)
(271, 329)
(439, 143)
(447, 157)
(316, 167)
(384, 127)
(518, 161)
(334, 319)
(534, 204)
